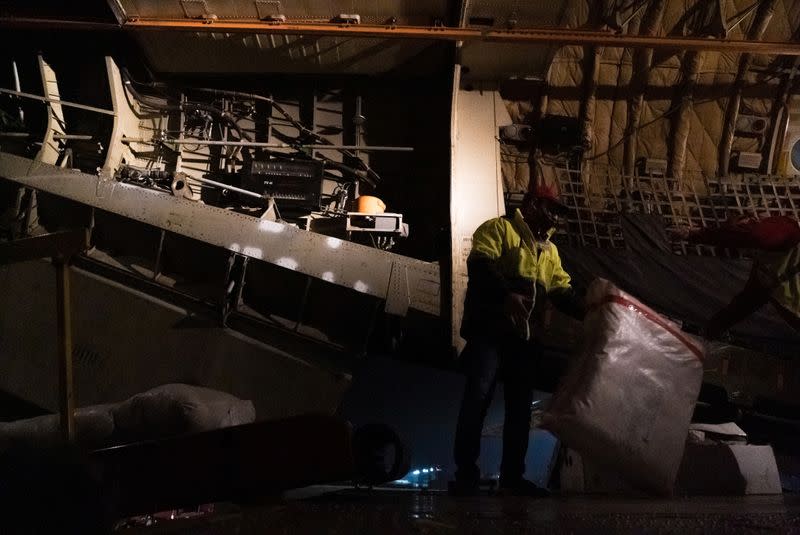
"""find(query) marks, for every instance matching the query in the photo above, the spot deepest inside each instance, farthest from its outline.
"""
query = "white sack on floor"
(627, 402)
(179, 408)
(161, 412)
(93, 426)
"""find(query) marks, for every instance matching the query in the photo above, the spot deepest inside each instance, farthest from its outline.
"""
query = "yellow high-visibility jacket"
(506, 258)
(780, 271)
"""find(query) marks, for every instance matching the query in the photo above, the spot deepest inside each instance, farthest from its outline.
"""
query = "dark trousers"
(513, 360)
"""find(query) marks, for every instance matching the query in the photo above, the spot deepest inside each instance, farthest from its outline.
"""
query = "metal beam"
(533, 36)
(50, 150)
(37, 23)
(642, 62)
(66, 392)
(548, 36)
(402, 281)
(316, 146)
(762, 19)
(681, 127)
(691, 63)
(56, 101)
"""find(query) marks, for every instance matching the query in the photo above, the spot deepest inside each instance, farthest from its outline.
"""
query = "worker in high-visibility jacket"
(775, 276)
(513, 270)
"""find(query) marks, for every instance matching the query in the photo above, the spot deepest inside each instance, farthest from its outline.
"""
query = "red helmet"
(542, 190)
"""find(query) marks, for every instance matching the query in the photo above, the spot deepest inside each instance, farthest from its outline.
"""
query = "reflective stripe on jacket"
(780, 271)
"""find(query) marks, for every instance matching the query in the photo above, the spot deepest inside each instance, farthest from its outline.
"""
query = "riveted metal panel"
(340, 262)
(397, 301)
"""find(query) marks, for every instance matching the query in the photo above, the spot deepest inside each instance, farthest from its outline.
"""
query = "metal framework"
(549, 36)
(402, 281)
(541, 36)
(594, 217)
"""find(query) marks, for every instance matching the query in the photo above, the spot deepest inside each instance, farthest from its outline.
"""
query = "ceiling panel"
(208, 51)
(520, 14)
(421, 12)
(490, 61)
(182, 52)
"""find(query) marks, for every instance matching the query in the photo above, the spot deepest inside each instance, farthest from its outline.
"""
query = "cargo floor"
(347, 511)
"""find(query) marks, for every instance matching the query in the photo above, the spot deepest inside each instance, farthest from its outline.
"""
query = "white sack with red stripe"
(628, 399)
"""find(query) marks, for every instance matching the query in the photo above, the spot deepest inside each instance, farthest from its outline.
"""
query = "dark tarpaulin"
(689, 289)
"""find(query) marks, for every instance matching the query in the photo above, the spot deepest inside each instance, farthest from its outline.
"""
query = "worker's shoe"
(461, 487)
(522, 487)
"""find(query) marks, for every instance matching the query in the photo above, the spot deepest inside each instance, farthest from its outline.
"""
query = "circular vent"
(796, 155)
(759, 125)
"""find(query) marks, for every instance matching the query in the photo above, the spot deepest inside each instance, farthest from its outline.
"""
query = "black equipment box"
(295, 183)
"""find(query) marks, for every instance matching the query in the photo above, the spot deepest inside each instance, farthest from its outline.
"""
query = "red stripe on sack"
(655, 318)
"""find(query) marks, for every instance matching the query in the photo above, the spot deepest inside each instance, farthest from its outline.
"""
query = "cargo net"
(597, 199)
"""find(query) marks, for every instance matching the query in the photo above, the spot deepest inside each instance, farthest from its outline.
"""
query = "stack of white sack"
(628, 399)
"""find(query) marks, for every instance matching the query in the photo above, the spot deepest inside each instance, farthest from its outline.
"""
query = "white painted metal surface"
(402, 281)
(126, 342)
(49, 153)
(127, 125)
(476, 187)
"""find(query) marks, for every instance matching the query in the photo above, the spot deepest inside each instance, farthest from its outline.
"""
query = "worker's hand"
(517, 308)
